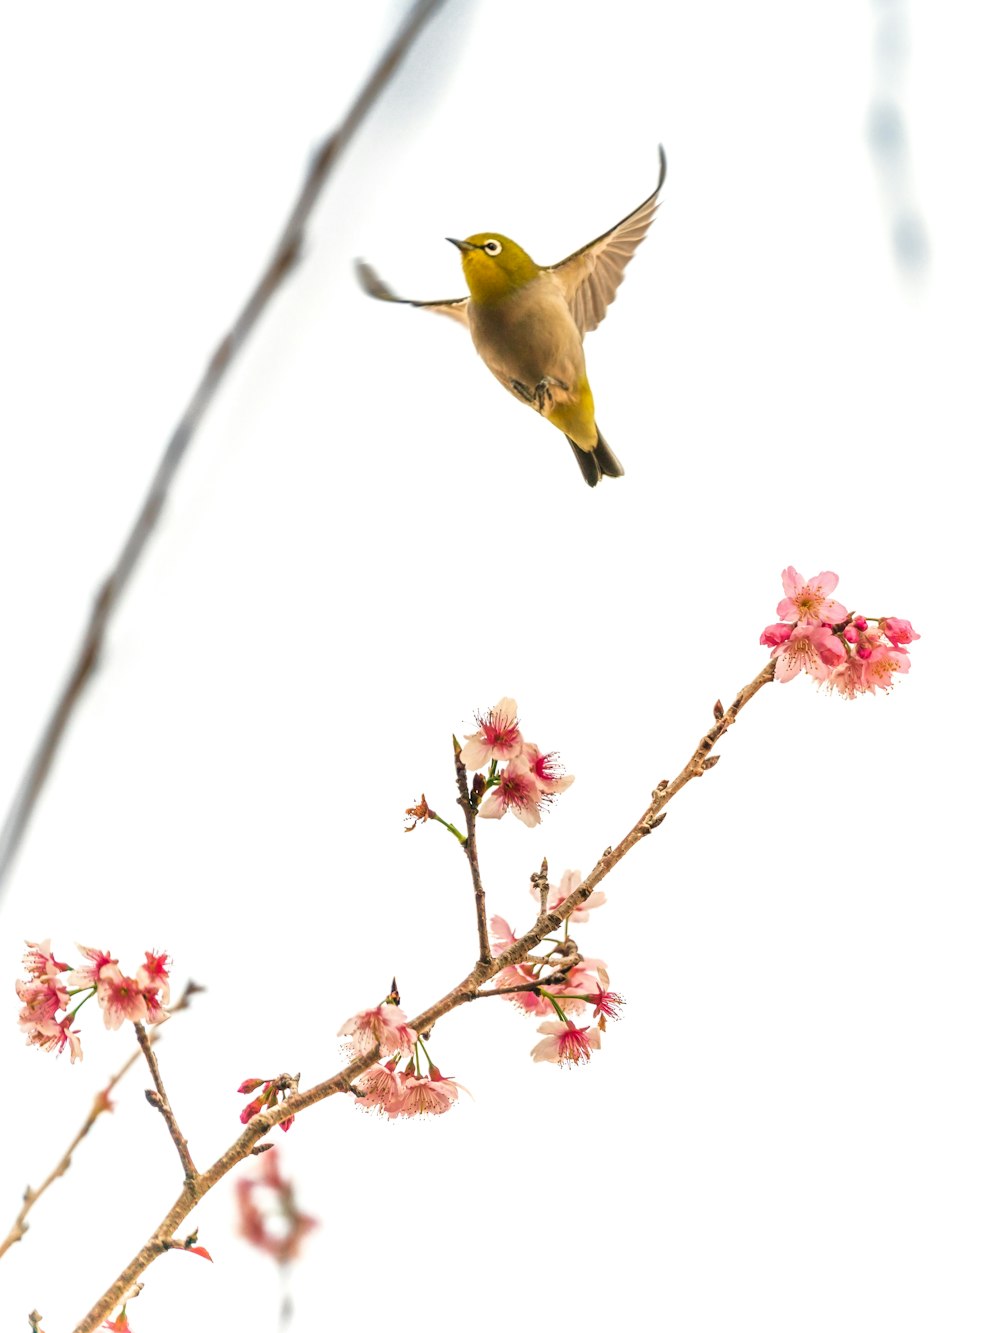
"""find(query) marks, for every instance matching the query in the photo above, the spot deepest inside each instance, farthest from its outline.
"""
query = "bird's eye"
(492, 247)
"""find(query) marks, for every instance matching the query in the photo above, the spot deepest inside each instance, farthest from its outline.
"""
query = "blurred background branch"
(284, 257)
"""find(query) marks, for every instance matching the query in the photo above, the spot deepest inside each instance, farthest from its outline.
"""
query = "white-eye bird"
(528, 322)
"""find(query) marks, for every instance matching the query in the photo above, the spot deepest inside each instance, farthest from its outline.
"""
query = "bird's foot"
(540, 397)
(543, 391)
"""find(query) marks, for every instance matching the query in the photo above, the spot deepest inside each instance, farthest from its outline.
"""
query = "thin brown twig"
(472, 854)
(556, 979)
(283, 259)
(101, 1103)
(540, 880)
(161, 1102)
(467, 990)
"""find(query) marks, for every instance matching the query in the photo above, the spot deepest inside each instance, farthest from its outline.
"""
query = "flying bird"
(528, 322)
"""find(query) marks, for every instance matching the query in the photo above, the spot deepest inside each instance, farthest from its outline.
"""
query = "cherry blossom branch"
(468, 989)
(286, 254)
(101, 1103)
(471, 852)
(161, 1102)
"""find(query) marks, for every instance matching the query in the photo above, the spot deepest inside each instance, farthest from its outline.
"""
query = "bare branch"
(161, 1102)
(472, 854)
(286, 254)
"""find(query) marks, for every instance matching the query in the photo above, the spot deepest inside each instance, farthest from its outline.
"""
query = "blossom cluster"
(850, 653)
(520, 777)
(52, 986)
(418, 1088)
(560, 982)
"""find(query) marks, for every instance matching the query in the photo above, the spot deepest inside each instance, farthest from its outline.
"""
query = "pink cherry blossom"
(812, 648)
(498, 737)
(773, 636)
(883, 664)
(90, 974)
(607, 1003)
(546, 769)
(41, 999)
(587, 977)
(381, 1088)
(528, 1001)
(384, 1027)
(502, 935)
(119, 1324)
(48, 1035)
(40, 962)
(899, 632)
(518, 791)
(120, 997)
(566, 1044)
(431, 1094)
(153, 976)
(849, 679)
(570, 882)
(809, 601)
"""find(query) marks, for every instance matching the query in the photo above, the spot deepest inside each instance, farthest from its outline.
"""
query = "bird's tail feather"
(597, 462)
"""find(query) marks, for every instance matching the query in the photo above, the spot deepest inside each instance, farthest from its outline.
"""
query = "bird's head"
(495, 266)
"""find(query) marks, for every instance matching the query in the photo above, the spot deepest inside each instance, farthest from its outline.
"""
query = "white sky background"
(795, 1125)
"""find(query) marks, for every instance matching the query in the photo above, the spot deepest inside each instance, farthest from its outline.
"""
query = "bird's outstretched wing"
(374, 286)
(590, 277)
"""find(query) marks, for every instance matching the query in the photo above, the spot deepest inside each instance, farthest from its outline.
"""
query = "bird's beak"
(462, 245)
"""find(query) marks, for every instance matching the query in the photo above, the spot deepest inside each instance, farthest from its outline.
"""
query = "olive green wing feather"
(589, 278)
(374, 286)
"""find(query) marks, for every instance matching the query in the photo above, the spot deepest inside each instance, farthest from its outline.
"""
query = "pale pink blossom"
(517, 791)
(547, 770)
(812, 648)
(41, 999)
(570, 882)
(898, 632)
(385, 1027)
(809, 601)
(48, 1035)
(849, 679)
(432, 1094)
(883, 664)
(528, 1001)
(154, 976)
(90, 974)
(381, 1088)
(773, 636)
(120, 997)
(498, 737)
(502, 935)
(566, 1044)
(40, 961)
